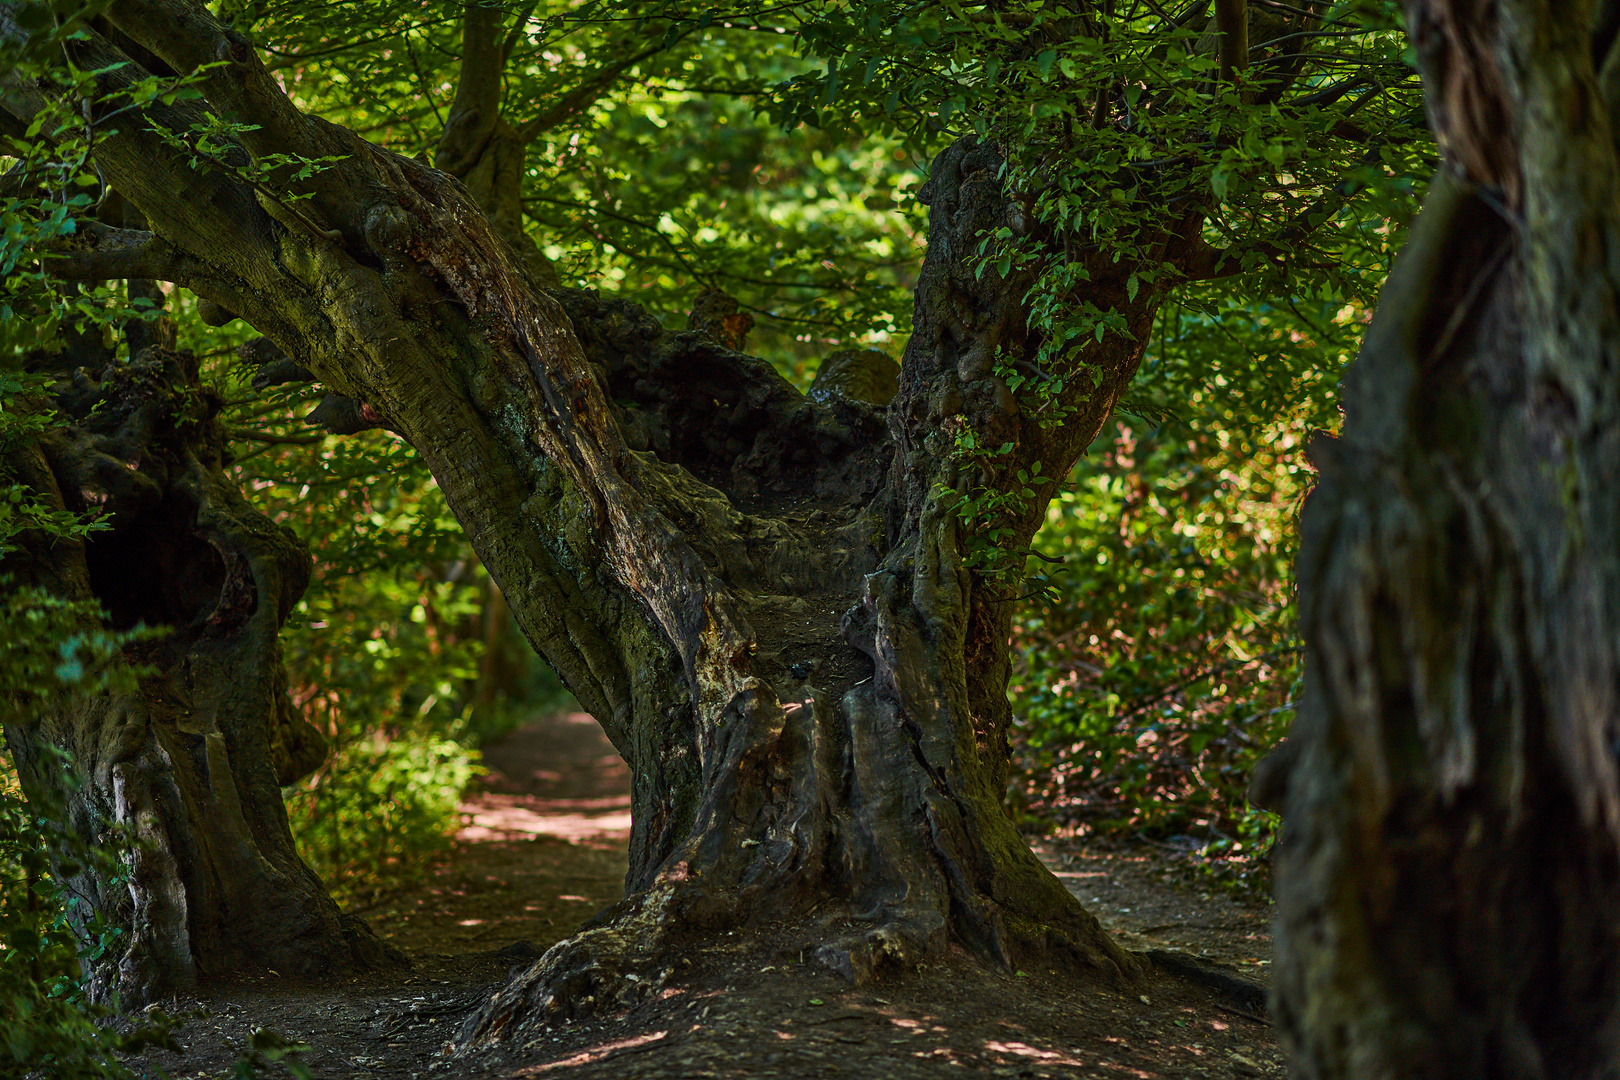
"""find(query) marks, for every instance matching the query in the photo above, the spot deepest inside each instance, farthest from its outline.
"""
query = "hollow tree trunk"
(193, 759)
(762, 598)
(1448, 877)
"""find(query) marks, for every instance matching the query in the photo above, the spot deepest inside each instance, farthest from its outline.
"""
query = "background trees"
(1094, 163)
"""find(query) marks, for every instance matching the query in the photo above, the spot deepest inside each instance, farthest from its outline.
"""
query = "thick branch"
(1467, 91)
(194, 207)
(239, 87)
(477, 107)
(100, 252)
(187, 37)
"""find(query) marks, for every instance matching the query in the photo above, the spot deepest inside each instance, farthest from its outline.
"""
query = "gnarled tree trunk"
(830, 750)
(192, 760)
(1448, 877)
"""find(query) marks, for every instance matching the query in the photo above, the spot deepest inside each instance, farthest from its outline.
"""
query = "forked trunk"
(822, 755)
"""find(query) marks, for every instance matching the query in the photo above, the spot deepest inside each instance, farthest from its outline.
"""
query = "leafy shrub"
(44, 1021)
(268, 1047)
(1161, 661)
(379, 807)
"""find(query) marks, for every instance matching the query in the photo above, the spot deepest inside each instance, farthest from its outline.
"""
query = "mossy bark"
(1449, 870)
(191, 760)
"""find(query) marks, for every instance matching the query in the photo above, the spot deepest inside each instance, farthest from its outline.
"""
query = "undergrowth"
(1161, 662)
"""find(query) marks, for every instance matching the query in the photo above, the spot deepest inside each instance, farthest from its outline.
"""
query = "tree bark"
(1448, 873)
(192, 761)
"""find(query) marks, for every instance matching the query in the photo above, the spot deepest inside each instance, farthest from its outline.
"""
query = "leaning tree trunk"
(1448, 879)
(192, 759)
(763, 598)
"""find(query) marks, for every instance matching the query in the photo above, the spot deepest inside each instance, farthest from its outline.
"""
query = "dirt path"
(543, 849)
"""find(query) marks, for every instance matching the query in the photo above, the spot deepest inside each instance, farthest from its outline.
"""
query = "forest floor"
(544, 848)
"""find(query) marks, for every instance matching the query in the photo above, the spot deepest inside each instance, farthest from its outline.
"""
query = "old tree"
(790, 612)
(1449, 875)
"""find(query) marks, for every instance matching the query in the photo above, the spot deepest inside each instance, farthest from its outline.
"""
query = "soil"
(543, 849)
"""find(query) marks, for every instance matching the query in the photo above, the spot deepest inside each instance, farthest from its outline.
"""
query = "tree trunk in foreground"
(1448, 877)
(193, 760)
(762, 597)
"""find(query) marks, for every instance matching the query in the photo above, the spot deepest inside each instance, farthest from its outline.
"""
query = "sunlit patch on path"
(513, 817)
(558, 778)
(542, 847)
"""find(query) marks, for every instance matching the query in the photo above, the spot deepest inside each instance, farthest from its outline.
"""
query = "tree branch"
(477, 108)
(99, 252)
(582, 95)
(189, 206)
(186, 37)
(515, 34)
(281, 440)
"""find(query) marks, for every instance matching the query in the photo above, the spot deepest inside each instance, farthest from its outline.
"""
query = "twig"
(1241, 1012)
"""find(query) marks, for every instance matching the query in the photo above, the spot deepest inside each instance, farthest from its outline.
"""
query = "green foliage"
(22, 416)
(268, 1047)
(211, 143)
(53, 184)
(43, 1020)
(987, 515)
(1163, 661)
(379, 808)
(51, 649)
(673, 177)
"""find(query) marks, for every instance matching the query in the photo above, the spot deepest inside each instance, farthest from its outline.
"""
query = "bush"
(1163, 661)
(379, 808)
(48, 942)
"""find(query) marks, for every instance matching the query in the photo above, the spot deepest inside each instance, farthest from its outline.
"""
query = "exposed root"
(615, 965)
(635, 950)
